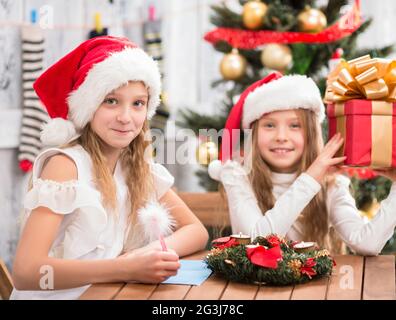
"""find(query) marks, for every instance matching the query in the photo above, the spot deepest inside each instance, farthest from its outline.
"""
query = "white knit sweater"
(292, 194)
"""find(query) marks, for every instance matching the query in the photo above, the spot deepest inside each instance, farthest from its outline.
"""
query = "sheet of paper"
(191, 272)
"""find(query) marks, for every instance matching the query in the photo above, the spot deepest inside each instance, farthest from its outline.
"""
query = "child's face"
(281, 140)
(120, 117)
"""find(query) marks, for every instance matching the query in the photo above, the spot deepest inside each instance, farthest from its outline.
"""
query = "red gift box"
(369, 131)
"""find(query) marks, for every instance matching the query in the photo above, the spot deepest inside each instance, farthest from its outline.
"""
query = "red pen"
(162, 242)
(160, 237)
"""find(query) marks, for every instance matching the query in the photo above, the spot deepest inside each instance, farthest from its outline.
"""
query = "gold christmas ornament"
(214, 252)
(233, 65)
(370, 210)
(311, 20)
(322, 253)
(206, 153)
(295, 265)
(276, 56)
(253, 14)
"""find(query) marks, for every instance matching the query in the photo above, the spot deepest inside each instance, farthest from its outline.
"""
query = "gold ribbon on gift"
(381, 132)
(362, 78)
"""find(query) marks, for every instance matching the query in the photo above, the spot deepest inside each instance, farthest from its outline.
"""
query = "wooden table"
(353, 278)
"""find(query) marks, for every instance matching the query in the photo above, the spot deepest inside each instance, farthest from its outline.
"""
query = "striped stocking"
(34, 114)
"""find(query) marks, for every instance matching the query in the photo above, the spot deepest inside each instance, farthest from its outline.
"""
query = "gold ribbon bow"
(362, 78)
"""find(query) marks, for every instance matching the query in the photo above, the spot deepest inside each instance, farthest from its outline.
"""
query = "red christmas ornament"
(337, 53)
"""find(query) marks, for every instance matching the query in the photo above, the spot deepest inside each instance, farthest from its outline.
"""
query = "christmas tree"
(291, 36)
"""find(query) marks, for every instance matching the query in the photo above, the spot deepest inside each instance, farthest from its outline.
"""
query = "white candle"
(304, 246)
(241, 238)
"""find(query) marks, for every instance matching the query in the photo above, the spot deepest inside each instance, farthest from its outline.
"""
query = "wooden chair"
(6, 285)
(209, 207)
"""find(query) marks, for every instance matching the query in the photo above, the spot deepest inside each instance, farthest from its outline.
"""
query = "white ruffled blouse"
(88, 230)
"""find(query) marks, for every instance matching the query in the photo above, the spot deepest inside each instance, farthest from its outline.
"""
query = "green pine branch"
(196, 121)
(332, 10)
(280, 17)
(224, 17)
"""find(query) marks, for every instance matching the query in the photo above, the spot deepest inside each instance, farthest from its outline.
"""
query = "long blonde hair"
(314, 217)
(134, 164)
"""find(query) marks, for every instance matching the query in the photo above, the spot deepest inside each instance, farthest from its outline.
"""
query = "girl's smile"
(123, 132)
(281, 151)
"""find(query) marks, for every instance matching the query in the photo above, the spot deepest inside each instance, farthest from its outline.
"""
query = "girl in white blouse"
(82, 223)
(288, 182)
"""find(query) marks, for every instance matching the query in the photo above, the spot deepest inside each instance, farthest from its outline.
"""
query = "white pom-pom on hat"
(214, 169)
(154, 217)
(58, 131)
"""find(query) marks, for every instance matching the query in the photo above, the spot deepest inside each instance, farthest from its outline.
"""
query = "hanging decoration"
(153, 46)
(249, 40)
(207, 152)
(311, 20)
(34, 114)
(253, 14)
(99, 30)
(233, 65)
(276, 56)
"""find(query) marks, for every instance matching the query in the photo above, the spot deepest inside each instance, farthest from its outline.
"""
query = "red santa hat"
(272, 93)
(73, 88)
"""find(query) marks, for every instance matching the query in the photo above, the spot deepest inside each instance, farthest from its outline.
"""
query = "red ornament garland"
(245, 39)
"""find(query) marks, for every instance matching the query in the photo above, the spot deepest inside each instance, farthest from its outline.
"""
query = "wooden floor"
(353, 278)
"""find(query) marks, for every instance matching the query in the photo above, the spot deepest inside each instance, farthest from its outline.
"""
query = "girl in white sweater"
(288, 182)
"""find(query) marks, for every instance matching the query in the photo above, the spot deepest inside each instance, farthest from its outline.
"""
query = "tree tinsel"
(231, 260)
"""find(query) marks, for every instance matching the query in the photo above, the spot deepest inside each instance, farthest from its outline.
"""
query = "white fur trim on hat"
(288, 92)
(57, 131)
(130, 64)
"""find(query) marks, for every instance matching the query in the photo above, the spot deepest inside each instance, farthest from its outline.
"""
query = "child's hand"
(389, 173)
(325, 160)
(151, 266)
